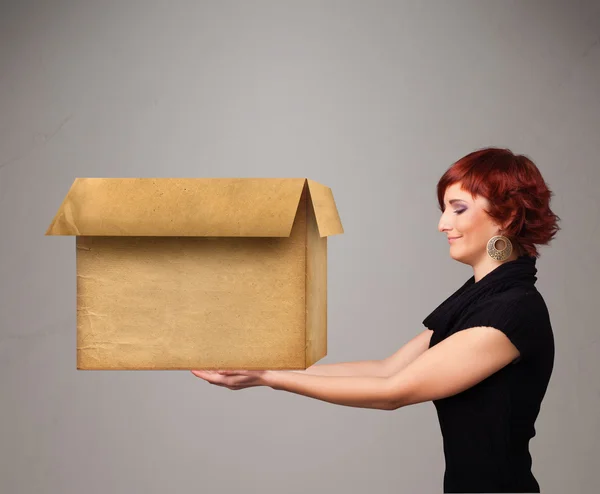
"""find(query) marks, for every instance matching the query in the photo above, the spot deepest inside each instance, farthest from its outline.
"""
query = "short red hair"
(513, 185)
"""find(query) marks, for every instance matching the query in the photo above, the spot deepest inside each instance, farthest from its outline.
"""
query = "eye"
(460, 211)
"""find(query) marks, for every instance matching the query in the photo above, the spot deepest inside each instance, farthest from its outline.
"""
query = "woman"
(487, 354)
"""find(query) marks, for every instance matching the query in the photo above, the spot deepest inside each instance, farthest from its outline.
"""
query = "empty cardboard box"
(199, 273)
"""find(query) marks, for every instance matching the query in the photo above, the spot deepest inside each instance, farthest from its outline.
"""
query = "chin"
(459, 259)
(457, 256)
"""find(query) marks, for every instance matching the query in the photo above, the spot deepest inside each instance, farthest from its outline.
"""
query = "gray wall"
(375, 100)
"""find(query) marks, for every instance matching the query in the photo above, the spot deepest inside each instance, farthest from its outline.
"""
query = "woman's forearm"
(365, 368)
(352, 391)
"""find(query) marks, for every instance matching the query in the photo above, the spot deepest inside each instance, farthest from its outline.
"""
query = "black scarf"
(456, 311)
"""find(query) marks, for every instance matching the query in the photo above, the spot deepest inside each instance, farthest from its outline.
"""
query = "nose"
(443, 225)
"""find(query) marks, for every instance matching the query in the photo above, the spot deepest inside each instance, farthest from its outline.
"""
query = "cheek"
(469, 227)
(473, 228)
(464, 223)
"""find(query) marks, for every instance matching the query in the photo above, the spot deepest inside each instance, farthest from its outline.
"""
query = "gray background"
(375, 100)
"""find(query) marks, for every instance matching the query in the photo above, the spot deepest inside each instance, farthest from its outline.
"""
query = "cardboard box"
(199, 273)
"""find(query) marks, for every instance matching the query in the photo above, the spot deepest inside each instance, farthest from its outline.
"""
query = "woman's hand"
(234, 379)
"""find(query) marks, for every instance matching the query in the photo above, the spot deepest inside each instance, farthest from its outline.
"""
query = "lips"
(452, 239)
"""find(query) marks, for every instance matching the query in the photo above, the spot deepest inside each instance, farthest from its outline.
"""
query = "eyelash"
(459, 211)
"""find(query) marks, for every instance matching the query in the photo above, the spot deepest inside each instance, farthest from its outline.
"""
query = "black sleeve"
(516, 318)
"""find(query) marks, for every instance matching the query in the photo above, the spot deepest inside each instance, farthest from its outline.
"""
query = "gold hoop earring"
(502, 254)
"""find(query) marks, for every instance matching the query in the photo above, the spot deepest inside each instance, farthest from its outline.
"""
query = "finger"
(208, 376)
(236, 372)
(203, 372)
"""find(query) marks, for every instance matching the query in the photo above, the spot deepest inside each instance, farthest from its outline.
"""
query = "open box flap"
(205, 207)
(326, 213)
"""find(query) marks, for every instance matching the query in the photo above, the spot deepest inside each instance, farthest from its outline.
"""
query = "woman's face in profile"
(466, 221)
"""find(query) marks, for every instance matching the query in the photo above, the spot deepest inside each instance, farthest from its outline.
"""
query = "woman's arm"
(453, 365)
(361, 384)
(408, 353)
(352, 391)
(367, 368)
(375, 368)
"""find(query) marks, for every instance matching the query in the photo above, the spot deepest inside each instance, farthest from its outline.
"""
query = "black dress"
(486, 429)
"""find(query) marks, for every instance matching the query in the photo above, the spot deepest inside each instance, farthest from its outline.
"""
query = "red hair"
(514, 187)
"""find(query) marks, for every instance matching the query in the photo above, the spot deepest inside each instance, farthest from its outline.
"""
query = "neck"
(487, 265)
